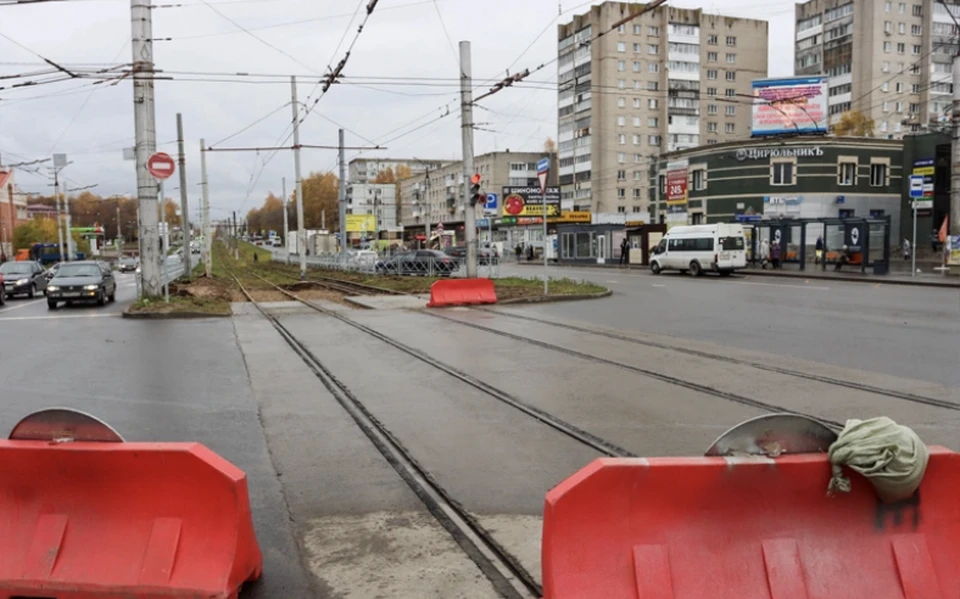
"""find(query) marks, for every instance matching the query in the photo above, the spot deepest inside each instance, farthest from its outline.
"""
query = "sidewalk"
(927, 278)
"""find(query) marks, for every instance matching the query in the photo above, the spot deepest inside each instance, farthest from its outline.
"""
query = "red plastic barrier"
(130, 520)
(726, 528)
(461, 292)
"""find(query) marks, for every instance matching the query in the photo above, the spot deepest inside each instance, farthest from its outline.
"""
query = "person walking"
(519, 252)
(906, 249)
(624, 252)
(764, 253)
(818, 256)
(775, 255)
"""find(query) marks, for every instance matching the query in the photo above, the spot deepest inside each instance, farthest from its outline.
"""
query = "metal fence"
(174, 268)
(401, 264)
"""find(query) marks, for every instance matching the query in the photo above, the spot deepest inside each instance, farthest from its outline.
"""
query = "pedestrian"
(529, 253)
(775, 255)
(842, 259)
(519, 251)
(256, 257)
(934, 240)
(906, 249)
(764, 253)
(624, 252)
(819, 253)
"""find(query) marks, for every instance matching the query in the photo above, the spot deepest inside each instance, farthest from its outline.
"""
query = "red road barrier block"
(461, 292)
(130, 520)
(730, 528)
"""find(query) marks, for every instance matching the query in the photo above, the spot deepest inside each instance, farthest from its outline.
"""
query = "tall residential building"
(374, 198)
(365, 170)
(888, 59)
(667, 80)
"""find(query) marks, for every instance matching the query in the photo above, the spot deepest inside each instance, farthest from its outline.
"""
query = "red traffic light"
(475, 179)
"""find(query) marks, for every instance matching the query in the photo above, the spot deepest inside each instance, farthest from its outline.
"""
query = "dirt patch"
(266, 295)
(317, 293)
(203, 288)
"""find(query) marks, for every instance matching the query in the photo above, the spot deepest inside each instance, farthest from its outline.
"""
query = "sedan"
(127, 264)
(22, 278)
(84, 281)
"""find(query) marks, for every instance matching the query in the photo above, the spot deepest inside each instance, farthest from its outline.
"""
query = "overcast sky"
(404, 65)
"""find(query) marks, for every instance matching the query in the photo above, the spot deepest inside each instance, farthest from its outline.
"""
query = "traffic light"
(475, 194)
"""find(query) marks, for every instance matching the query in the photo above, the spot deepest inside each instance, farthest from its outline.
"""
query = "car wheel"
(695, 269)
(726, 273)
(51, 304)
(655, 268)
(101, 298)
(33, 292)
(113, 295)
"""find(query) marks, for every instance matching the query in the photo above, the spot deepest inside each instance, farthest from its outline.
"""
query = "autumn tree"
(854, 123)
(550, 146)
(43, 230)
(386, 176)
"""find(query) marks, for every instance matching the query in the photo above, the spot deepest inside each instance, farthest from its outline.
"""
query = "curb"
(171, 315)
(548, 299)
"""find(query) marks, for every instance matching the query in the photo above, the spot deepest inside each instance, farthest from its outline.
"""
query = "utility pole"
(56, 194)
(301, 233)
(954, 228)
(466, 134)
(119, 234)
(164, 243)
(342, 195)
(205, 216)
(185, 224)
(235, 241)
(141, 26)
(67, 225)
(286, 224)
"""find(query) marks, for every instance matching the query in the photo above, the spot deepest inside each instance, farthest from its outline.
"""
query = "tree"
(386, 176)
(43, 230)
(402, 172)
(550, 146)
(853, 123)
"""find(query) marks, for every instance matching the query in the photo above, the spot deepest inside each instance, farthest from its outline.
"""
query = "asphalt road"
(152, 381)
(910, 332)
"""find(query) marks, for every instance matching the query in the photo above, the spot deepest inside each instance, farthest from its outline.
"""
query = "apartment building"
(374, 198)
(889, 59)
(365, 170)
(13, 210)
(437, 196)
(668, 80)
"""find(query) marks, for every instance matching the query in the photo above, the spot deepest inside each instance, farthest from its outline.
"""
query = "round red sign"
(160, 165)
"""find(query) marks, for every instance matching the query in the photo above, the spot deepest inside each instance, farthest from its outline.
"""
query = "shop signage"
(568, 216)
(778, 152)
(528, 201)
(676, 181)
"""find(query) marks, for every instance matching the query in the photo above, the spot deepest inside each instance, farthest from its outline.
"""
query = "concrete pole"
(301, 233)
(164, 243)
(286, 223)
(466, 135)
(146, 135)
(56, 194)
(426, 205)
(184, 211)
(206, 254)
(342, 195)
(67, 225)
(954, 228)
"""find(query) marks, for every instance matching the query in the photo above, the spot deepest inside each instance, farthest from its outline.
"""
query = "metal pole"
(185, 220)
(301, 233)
(119, 234)
(426, 210)
(543, 207)
(286, 224)
(466, 134)
(146, 135)
(376, 220)
(342, 195)
(67, 226)
(164, 247)
(235, 241)
(954, 227)
(206, 254)
(56, 193)
(913, 250)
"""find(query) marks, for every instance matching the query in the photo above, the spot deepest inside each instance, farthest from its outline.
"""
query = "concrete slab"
(363, 531)
(389, 302)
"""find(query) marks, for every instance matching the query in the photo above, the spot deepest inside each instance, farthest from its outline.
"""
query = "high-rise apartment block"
(667, 80)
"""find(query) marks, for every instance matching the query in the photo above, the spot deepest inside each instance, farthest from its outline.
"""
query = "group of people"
(519, 251)
(770, 253)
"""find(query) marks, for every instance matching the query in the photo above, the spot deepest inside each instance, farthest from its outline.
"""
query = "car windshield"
(16, 268)
(78, 270)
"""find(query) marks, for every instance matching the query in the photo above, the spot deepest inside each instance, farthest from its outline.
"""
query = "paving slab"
(389, 302)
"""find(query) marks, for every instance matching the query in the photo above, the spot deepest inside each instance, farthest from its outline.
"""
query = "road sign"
(160, 165)
(439, 227)
(916, 186)
(492, 204)
(543, 165)
(483, 223)
(543, 168)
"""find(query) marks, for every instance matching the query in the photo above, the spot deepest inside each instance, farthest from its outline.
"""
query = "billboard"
(790, 105)
(677, 182)
(527, 201)
(360, 223)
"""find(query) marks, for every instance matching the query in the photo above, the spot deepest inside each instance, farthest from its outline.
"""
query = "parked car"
(128, 264)
(484, 255)
(84, 281)
(420, 262)
(22, 278)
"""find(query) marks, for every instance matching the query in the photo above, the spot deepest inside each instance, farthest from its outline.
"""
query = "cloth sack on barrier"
(891, 456)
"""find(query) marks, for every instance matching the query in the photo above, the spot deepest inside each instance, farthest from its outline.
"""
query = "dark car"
(84, 281)
(22, 278)
(128, 264)
(484, 255)
(420, 262)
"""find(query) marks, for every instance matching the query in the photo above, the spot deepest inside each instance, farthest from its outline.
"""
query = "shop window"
(782, 173)
(846, 173)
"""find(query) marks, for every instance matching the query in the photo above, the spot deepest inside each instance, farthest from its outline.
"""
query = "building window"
(916, 30)
(887, 6)
(900, 107)
(653, 140)
(653, 67)
(636, 139)
(711, 73)
(653, 122)
(711, 127)
(637, 66)
(887, 46)
(730, 93)
(730, 110)
(846, 173)
(888, 26)
(902, 28)
(883, 126)
(729, 127)
(917, 10)
(885, 66)
(621, 84)
(699, 179)
(903, 8)
(899, 67)
(621, 65)
(637, 30)
(914, 108)
(653, 49)
(899, 87)
(622, 139)
(712, 109)
(621, 47)
(637, 158)
(636, 48)
(621, 157)
(915, 50)
(885, 86)
(621, 175)
(653, 86)
(636, 208)
(636, 193)
(711, 91)
(731, 59)
(621, 121)
(712, 40)
(636, 121)
(636, 102)
(621, 209)
(621, 193)
(637, 175)
(653, 104)
(731, 75)
(878, 175)
(653, 30)
(621, 102)
(711, 57)
(901, 48)
(886, 106)
(782, 173)
(731, 41)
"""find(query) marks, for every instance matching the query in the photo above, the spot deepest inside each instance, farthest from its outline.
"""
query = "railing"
(488, 267)
(174, 267)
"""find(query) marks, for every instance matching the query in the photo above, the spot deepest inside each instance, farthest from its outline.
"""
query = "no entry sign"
(160, 165)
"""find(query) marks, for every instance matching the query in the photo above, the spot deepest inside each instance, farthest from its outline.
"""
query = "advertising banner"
(953, 250)
(569, 216)
(677, 182)
(360, 223)
(793, 105)
(527, 201)
(924, 168)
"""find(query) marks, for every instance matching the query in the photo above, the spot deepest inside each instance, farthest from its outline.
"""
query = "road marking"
(779, 285)
(655, 285)
(24, 305)
(2, 318)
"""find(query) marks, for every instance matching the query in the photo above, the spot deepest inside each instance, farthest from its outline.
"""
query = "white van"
(720, 248)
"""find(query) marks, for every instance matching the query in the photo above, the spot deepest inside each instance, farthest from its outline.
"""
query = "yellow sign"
(570, 217)
(925, 170)
(635, 223)
(360, 223)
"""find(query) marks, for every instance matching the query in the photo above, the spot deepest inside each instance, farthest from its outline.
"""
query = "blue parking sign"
(492, 202)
